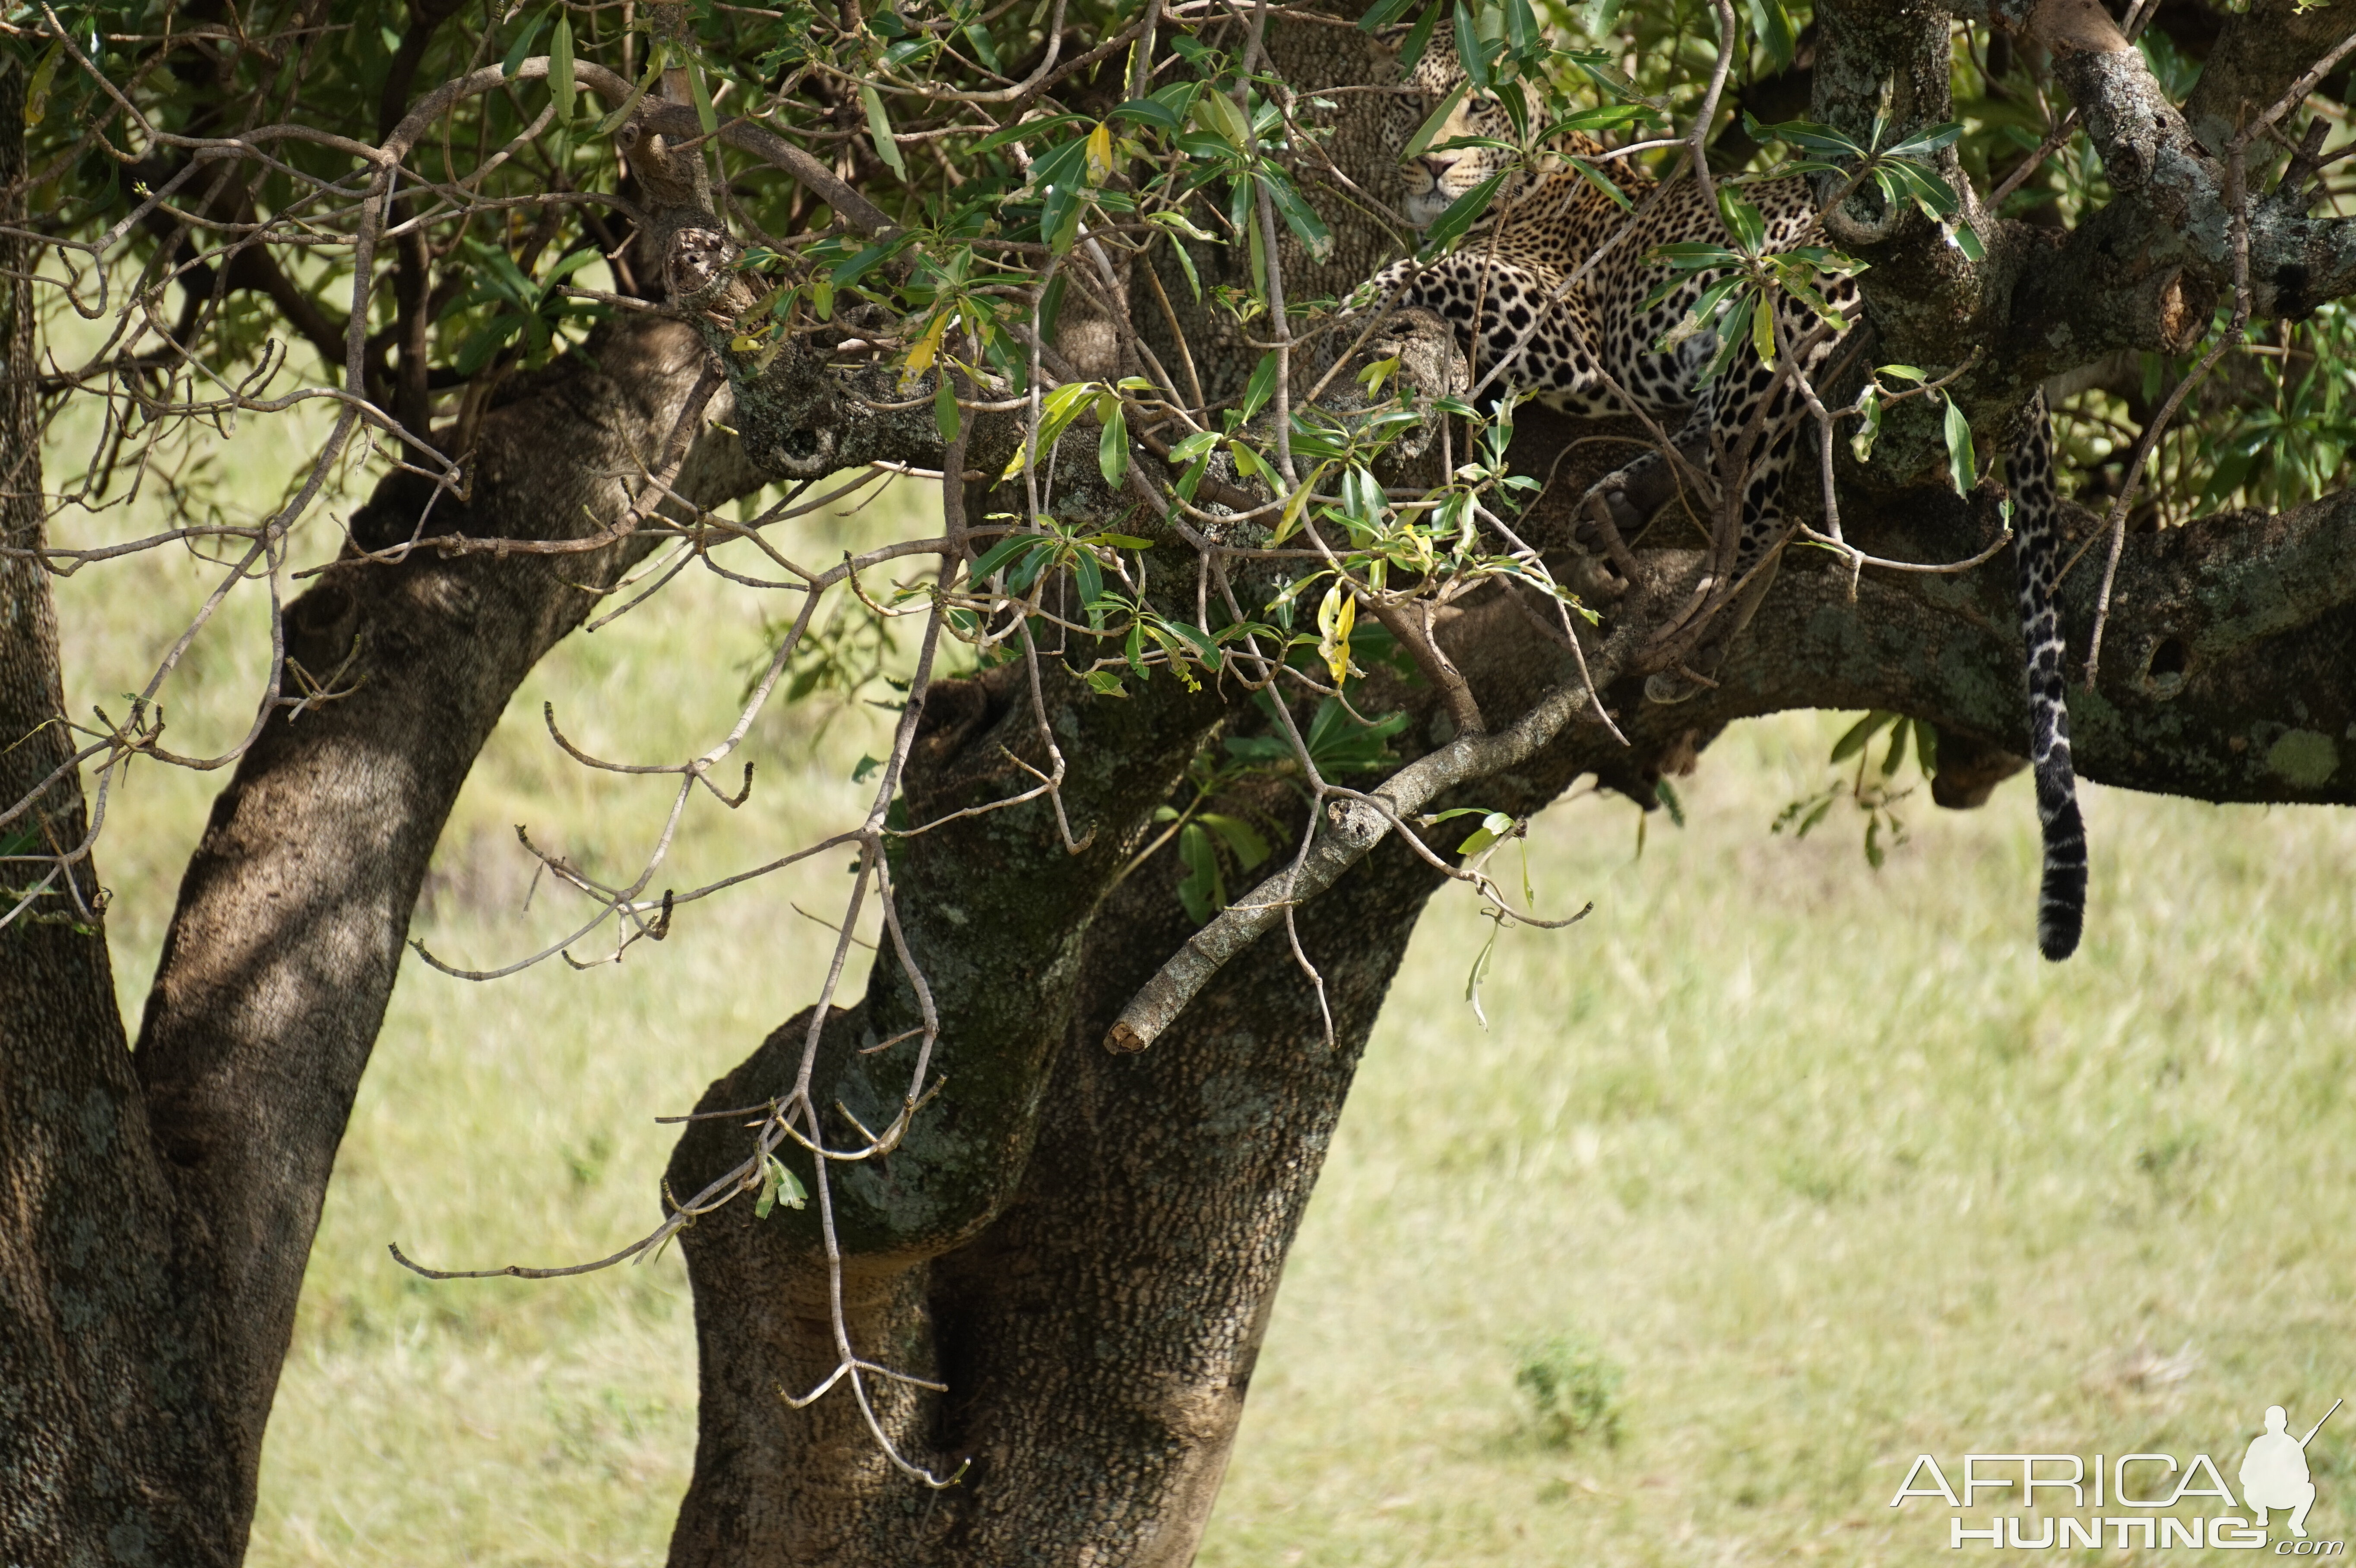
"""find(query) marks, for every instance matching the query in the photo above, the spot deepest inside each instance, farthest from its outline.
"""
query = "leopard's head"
(1434, 178)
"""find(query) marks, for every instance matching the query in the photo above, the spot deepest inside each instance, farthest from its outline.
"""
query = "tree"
(1039, 260)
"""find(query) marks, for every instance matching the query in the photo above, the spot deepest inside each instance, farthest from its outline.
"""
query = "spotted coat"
(1550, 297)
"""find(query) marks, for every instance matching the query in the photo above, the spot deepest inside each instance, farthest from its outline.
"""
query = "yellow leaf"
(1335, 617)
(1100, 153)
(920, 358)
(744, 343)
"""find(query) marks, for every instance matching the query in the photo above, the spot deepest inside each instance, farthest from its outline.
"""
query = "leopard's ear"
(1390, 37)
(1385, 42)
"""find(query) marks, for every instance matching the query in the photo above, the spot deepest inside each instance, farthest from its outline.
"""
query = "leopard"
(1561, 293)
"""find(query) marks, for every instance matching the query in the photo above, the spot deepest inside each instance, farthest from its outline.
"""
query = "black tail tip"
(2059, 924)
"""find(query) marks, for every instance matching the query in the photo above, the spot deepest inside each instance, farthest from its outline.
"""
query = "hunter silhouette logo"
(2274, 1472)
(2098, 1500)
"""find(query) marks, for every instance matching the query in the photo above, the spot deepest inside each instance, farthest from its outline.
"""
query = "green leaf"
(1149, 111)
(1806, 134)
(704, 116)
(560, 69)
(1028, 131)
(1203, 892)
(1480, 969)
(1463, 212)
(1666, 793)
(1207, 647)
(571, 263)
(984, 48)
(1914, 183)
(779, 1185)
(656, 59)
(1853, 739)
(1298, 216)
(1469, 53)
(1494, 827)
(1433, 125)
(1523, 37)
(1762, 335)
(1262, 385)
(790, 1191)
(1701, 317)
(1381, 12)
(1112, 447)
(1060, 407)
(995, 558)
(2232, 469)
(1773, 26)
(1243, 840)
(879, 129)
(1964, 238)
(1338, 744)
(1962, 466)
(1742, 220)
(1186, 265)
(1419, 38)
(1926, 141)
(1926, 749)
(1896, 756)
(1088, 576)
(1104, 683)
(36, 92)
(944, 408)
(1730, 336)
(520, 50)
(1217, 113)
(1861, 443)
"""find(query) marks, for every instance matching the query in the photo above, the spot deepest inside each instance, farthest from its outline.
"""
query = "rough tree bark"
(1084, 1249)
(162, 1200)
(1096, 1322)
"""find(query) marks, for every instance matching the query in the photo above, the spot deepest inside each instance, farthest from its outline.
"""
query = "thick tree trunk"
(107, 1436)
(161, 1202)
(1082, 1249)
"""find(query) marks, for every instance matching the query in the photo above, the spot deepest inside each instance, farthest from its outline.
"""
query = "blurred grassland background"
(1770, 1175)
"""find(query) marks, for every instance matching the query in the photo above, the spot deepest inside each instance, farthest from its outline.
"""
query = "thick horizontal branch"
(2229, 673)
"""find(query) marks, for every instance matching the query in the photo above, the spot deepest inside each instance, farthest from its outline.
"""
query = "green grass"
(1824, 1166)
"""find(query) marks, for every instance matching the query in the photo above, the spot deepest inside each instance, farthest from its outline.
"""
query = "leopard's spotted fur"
(1550, 300)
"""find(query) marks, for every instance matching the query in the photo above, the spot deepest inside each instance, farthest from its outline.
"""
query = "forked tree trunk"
(1082, 1249)
(157, 1206)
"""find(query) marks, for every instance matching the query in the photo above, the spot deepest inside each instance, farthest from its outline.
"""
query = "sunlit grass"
(1827, 1161)
(1839, 1171)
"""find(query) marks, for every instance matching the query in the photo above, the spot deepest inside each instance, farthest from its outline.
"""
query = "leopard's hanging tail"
(2061, 905)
